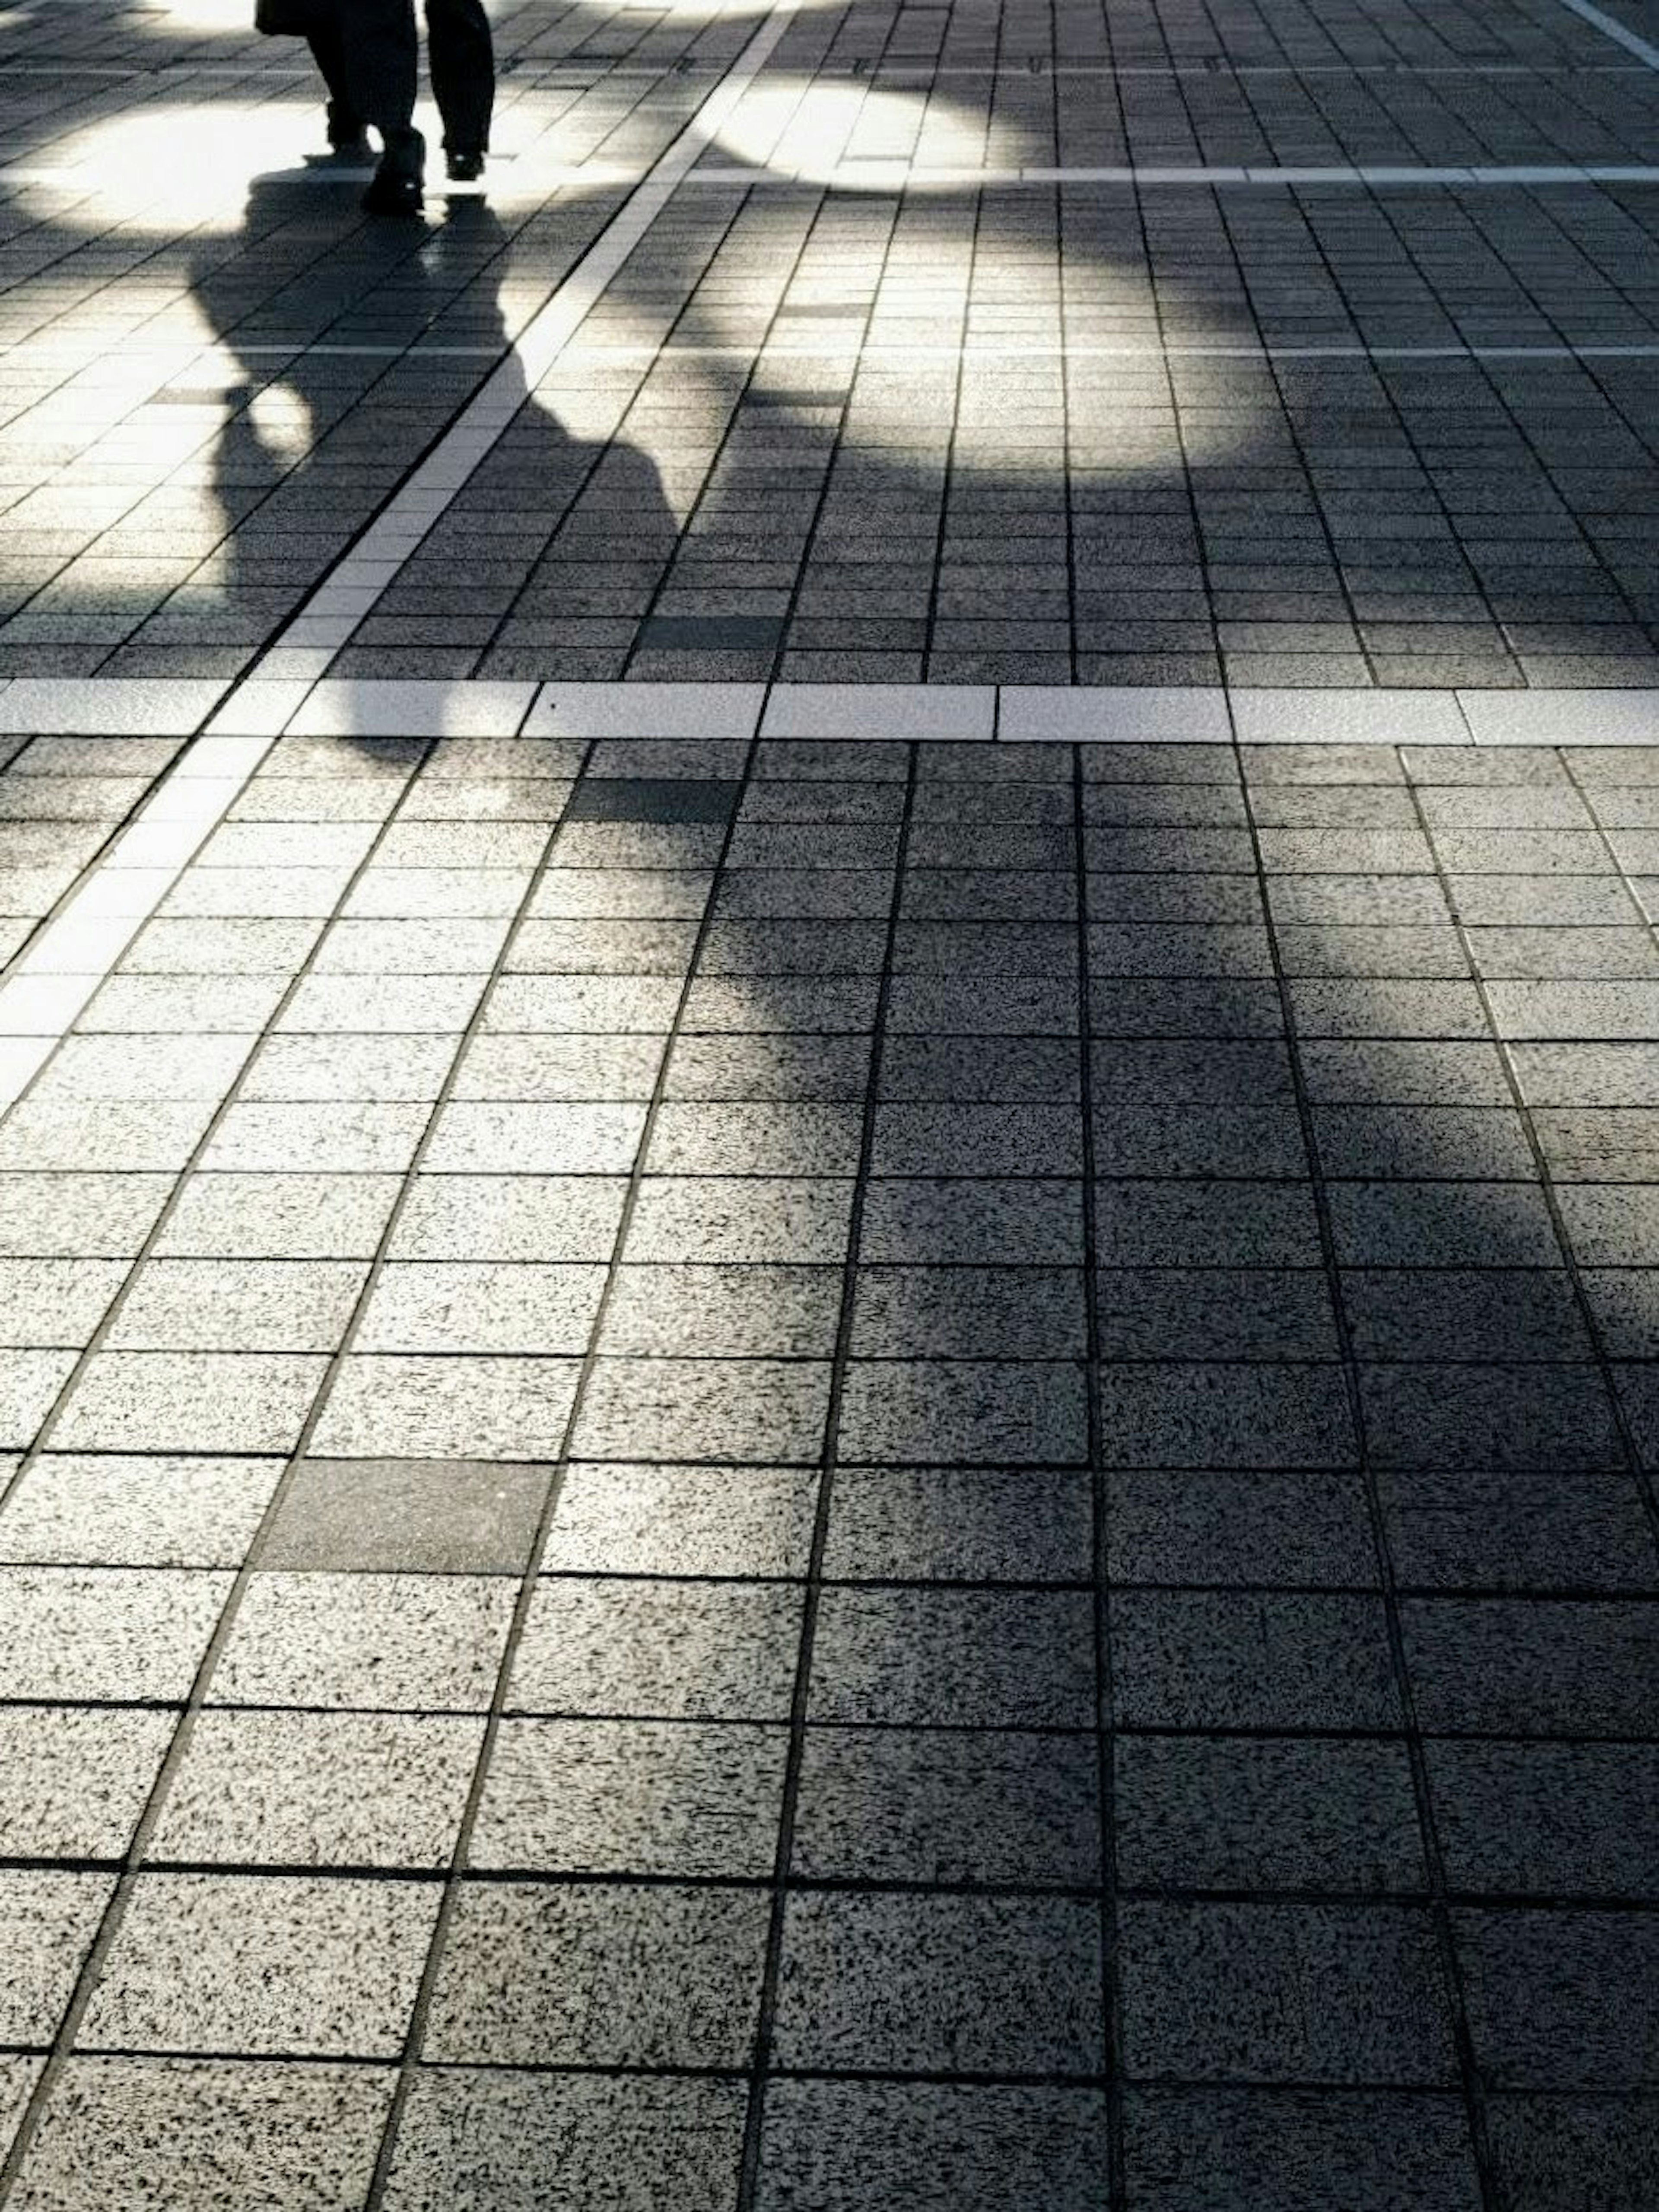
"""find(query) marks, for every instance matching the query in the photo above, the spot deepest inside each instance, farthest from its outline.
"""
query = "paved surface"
(932, 1456)
(1025, 421)
(762, 1452)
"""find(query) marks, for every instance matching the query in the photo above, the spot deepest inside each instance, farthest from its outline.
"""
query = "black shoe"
(393, 191)
(463, 165)
(395, 188)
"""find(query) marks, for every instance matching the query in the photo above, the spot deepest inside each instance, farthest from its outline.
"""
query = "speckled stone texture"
(945, 1665)
(827, 1333)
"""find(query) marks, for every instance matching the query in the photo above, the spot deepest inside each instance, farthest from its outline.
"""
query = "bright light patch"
(814, 131)
(192, 166)
(221, 15)
(690, 11)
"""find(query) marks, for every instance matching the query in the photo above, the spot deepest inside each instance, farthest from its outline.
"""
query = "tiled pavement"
(803, 1473)
(800, 1451)
(980, 343)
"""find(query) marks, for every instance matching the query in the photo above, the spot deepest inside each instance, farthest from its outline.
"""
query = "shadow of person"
(350, 347)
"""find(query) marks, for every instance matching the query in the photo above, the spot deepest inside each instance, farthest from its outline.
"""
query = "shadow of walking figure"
(315, 441)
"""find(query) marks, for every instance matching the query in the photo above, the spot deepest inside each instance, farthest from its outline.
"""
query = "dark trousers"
(380, 55)
(328, 52)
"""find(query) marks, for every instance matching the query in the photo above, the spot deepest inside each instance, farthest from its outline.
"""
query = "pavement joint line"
(1151, 350)
(1610, 28)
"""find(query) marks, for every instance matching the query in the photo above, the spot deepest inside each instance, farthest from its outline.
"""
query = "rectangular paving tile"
(271, 1965)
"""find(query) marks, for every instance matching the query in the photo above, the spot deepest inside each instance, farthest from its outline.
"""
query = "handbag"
(291, 18)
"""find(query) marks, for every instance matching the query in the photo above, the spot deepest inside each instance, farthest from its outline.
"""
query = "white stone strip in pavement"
(1220, 66)
(877, 175)
(1610, 28)
(51, 982)
(108, 705)
(1008, 713)
(265, 707)
(807, 347)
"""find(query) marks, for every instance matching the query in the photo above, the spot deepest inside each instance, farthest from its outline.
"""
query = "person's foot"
(463, 165)
(395, 187)
(347, 135)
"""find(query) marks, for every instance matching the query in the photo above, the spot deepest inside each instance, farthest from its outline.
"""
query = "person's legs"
(463, 64)
(380, 55)
(345, 125)
(379, 42)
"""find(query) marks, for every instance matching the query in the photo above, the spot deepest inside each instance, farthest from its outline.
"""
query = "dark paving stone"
(1487, 1314)
(960, 1524)
(974, 1140)
(1566, 2000)
(1550, 1820)
(1164, 1072)
(1253, 1530)
(1541, 1530)
(961, 1220)
(664, 799)
(1436, 1225)
(843, 2146)
(955, 1805)
(969, 1313)
(1216, 1415)
(1300, 2150)
(1004, 1412)
(1270, 1814)
(989, 948)
(1205, 1224)
(710, 634)
(1556, 2153)
(1293, 1993)
(941, 1983)
(1214, 1313)
(1638, 1394)
(1437, 1415)
(1027, 1069)
(1537, 1666)
(1200, 1659)
(1474, 1144)
(1193, 1139)
(412, 1517)
(934, 1658)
